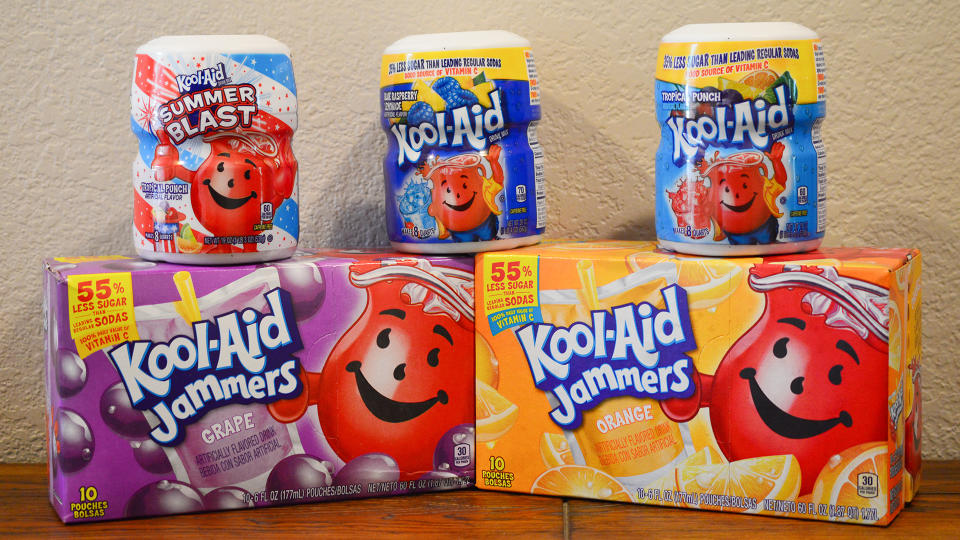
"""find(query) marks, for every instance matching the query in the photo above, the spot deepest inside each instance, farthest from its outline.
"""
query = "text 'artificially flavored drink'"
(740, 168)
(464, 168)
(215, 179)
(781, 385)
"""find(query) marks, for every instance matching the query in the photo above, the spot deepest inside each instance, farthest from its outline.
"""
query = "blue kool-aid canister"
(464, 168)
(741, 164)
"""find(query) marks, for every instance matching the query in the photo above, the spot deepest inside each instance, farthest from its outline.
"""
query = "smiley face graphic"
(397, 380)
(233, 184)
(809, 378)
(794, 384)
(458, 188)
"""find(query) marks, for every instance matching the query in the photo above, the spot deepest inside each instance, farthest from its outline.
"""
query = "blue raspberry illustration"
(468, 97)
(420, 112)
(449, 89)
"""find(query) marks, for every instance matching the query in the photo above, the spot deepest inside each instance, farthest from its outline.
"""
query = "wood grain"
(471, 513)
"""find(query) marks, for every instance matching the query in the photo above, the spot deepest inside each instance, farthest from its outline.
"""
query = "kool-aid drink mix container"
(740, 168)
(464, 168)
(215, 179)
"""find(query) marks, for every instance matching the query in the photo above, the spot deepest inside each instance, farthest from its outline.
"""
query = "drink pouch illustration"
(191, 459)
(215, 178)
(740, 166)
(464, 168)
(638, 417)
(628, 373)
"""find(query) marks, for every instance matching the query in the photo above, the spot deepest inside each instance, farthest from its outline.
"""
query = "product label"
(461, 164)
(101, 310)
(215, 172)
(741, 158)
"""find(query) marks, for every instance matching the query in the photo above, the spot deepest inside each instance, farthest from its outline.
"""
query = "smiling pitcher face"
(458, 197)
(795, 385)
(229, 189)
(739, 191)
(396, 382)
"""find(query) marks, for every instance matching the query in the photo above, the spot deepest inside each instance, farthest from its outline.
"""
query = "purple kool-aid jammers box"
(331, 375)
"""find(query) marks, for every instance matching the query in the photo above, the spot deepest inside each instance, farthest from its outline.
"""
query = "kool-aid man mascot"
(393, 384)
(795, 382)
(465, 188)
(239, 185)
(741, 200)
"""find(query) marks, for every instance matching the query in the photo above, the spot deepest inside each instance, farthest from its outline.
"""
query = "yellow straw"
(588, 284)
(187, 306)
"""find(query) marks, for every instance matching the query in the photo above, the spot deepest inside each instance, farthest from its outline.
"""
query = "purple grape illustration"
(71, 373)
(227, 498)
(454, 452)
(300, 471)
(151, 456)
(73, 441)
(164, 497)
(367, 469)
(119, 414)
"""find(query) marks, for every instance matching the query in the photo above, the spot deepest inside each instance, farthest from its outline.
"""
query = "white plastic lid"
(225, 44)
(754, 31)
(455, 41)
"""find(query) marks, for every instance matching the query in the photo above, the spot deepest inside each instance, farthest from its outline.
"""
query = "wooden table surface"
(935, 513)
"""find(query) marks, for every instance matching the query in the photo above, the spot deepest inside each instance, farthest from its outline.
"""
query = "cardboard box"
(784, 385)
(330, 375)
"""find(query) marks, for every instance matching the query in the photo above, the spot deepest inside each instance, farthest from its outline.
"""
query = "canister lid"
(455, 41)
(225, 44)
(753, 31)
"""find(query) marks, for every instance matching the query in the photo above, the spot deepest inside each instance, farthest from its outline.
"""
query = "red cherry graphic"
(397, 380)
(793, 384)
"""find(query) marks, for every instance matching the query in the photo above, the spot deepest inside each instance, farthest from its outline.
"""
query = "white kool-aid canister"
(464, 168)
(215, 180)
(740, 167)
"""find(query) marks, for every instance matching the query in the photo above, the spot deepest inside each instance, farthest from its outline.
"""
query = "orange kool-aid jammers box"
(784, 385)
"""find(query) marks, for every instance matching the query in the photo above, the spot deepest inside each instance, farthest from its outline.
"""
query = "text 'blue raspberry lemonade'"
(464, 168)
(740, 167)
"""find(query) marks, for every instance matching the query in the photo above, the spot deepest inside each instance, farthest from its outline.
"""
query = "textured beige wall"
(65, 145)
